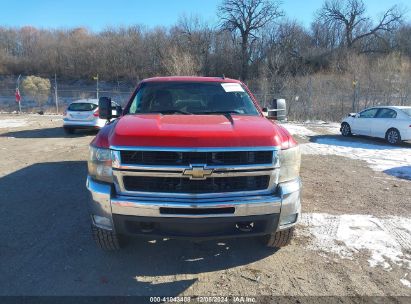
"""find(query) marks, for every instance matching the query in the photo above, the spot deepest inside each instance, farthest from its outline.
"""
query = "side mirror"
(118, 111)
(357, 115)
(278, 111)
(104, 108)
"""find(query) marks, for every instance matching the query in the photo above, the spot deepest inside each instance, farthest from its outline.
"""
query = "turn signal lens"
(99, 164)
(290, 161)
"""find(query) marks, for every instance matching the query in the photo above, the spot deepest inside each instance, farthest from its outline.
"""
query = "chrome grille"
(185, 185)
(203, 172)
(167, 158)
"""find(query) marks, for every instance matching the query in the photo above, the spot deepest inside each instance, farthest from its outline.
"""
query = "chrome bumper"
(96, 123)
(286, 204)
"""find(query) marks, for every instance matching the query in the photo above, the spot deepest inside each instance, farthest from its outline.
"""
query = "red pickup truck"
(192, 157)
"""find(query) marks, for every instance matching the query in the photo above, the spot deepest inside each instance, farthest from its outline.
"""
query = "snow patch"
(310, 128)
(393, 160)
(332, 128)
(12, 123)
(299, 130)
(386, 241)
(405, 282)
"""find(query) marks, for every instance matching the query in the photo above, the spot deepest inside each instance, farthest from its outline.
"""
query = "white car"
(391, 122)
(83, 114)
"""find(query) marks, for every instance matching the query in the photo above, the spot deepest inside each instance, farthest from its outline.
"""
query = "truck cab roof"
(190, 79)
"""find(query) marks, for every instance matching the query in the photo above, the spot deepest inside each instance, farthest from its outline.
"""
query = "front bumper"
(225, 217)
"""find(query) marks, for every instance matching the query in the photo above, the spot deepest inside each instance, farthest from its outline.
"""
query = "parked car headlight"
(99, 164)
(290, 160)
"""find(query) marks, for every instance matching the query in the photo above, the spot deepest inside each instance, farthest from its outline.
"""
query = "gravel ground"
(46, 247)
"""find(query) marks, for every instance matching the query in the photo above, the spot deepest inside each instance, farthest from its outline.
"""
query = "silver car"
(83, 114)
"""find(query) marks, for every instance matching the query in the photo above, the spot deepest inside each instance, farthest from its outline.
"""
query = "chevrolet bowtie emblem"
(198, 172)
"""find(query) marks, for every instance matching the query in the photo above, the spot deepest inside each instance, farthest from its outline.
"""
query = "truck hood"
(156, 130)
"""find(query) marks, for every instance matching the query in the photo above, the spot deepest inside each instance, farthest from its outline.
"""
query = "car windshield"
(407, 111)
(82, 106)
(192, 98)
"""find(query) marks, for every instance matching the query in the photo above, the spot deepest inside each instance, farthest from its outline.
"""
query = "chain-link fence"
(300, 105)
(328, 107)
(56, 105)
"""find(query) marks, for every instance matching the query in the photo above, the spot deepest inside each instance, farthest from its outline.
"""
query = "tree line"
(254, 41)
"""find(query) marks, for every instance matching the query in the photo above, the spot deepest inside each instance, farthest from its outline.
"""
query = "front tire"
(105, 239)
(345, 129)
(279, 239)
(393, 136)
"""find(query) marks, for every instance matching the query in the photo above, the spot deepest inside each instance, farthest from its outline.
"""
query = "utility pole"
(55, 93)
(310, 101)
(18, 90)
(354, 100)
(97, 90)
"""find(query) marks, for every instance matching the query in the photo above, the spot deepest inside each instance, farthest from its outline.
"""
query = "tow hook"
(147, 227)
(245, 226)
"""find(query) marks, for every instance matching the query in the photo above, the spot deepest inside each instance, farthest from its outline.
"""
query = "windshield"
(407, 111)
(82, 106)
(192, 98)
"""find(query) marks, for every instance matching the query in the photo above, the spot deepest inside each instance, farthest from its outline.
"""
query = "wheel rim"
(345, 129)
(392, 137)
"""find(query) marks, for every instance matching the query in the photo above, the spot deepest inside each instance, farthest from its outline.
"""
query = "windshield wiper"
(165, 112)
(219, 112)
(227, 114)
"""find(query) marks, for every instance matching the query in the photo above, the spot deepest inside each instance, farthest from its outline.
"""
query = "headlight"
(99, 164)
(290, 160)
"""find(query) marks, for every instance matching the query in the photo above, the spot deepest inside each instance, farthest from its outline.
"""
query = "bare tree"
(351, 15)
(179, 63)
(194, 36)
(327, 36)
(402, 39)
(247, 17)
(313, 68)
